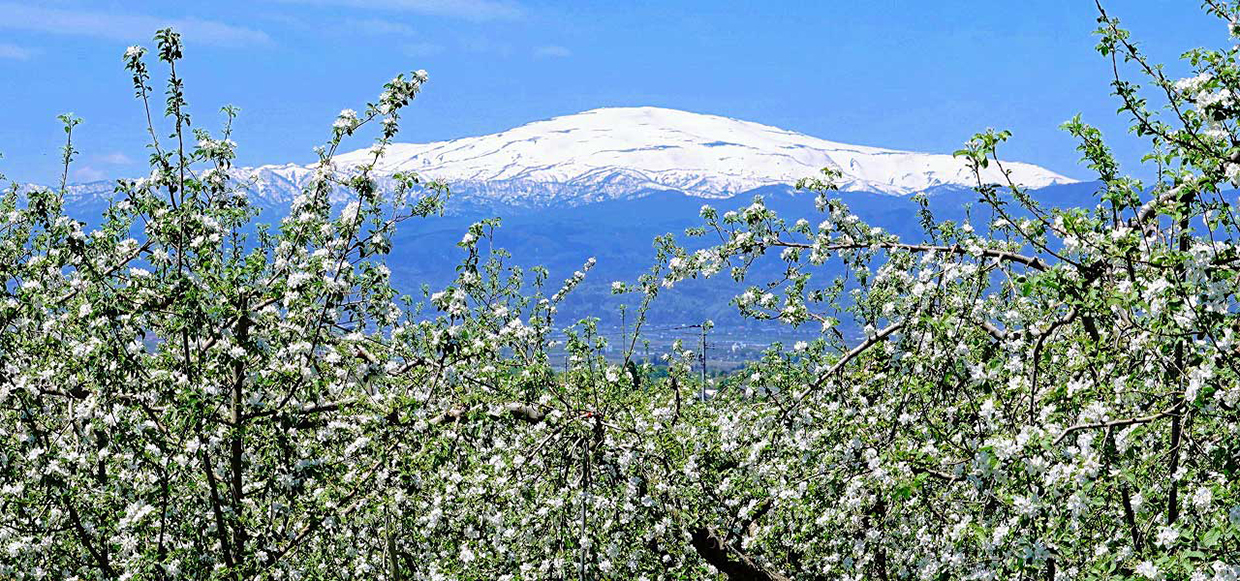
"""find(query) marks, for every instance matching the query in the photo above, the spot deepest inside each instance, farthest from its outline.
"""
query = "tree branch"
(1119, 423)
(517, 410)
(732, 563)
(1030, 261)
(858, 350)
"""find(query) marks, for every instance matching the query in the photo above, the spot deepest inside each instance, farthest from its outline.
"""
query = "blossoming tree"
(1038, 392)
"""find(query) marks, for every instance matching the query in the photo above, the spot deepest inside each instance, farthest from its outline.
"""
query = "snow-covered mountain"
(624, 152)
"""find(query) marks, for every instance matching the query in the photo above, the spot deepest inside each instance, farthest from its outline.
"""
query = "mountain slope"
(609, 153)
(625, 152)
(621, 152)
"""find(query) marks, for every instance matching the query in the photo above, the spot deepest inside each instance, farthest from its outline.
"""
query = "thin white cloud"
(87, 173)
(124, 27)
(552, 51)
(14, 52)
(477, 10)
(423, 49)
(114, 158)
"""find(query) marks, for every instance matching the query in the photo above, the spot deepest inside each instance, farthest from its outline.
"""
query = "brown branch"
(221, 529)
(236, 457)
(858, 350)
(937, 474)
(100, 556)
(839, 365)
(1000, 335)
(676, 390)
(1130, 518)
(519, 411)
(1148, 209)
(314, 409)
(1119, 423)
(731, 562)
(1030, 261)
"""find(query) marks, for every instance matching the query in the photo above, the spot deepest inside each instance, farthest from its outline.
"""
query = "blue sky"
(901, 74)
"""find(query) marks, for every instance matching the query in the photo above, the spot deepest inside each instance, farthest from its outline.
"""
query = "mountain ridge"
(612, 152)
(621, 152)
